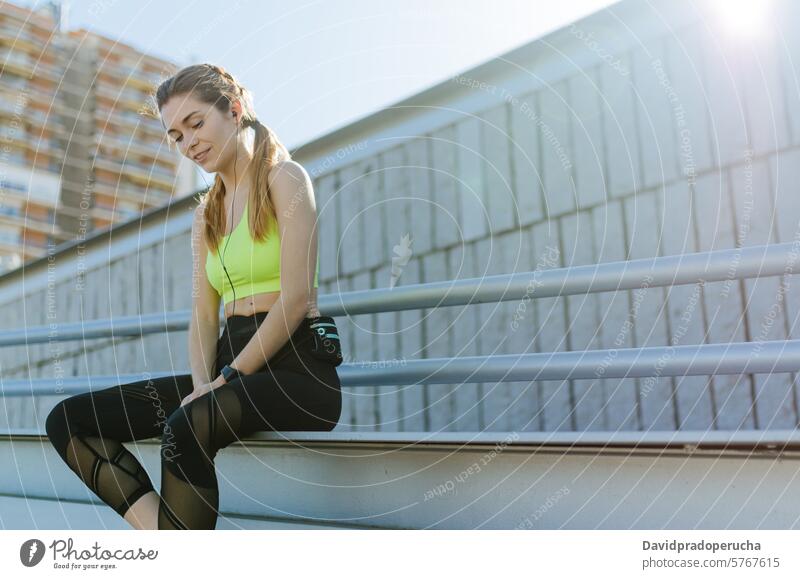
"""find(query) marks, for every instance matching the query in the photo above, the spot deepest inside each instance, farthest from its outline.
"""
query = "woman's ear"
(236, 111)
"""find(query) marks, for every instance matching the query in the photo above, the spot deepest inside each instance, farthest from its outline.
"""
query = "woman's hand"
(204, 389)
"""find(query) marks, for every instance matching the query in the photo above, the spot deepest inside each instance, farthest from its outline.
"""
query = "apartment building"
(79, 146)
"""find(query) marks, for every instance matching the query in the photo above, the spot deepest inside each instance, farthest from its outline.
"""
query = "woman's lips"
(202, 157)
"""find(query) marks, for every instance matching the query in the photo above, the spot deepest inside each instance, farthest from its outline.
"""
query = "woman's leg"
(87, 431)
(143, 514)
(272, 400)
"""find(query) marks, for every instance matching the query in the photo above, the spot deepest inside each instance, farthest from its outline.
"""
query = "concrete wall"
(642, 130)
(141, 267)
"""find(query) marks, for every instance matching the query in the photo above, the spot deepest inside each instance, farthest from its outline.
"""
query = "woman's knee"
(178, 436)
(62, 421)
(198, 428)
(57, 426)
(185, 452)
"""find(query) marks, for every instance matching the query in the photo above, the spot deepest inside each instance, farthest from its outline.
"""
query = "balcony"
(20, 39)
(130, 76)
(116, 203)
(129, 99)
(15, 216)
(14, 244)
(154, 150)
(138, 173)
(16, 63)
(130, 121)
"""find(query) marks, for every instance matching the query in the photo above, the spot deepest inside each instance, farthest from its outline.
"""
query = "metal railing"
(705, 359)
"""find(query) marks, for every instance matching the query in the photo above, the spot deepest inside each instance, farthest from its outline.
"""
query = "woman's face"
(201, 131)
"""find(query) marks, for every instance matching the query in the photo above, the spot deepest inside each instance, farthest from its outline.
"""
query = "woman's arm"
(204, 323)
(293, 197)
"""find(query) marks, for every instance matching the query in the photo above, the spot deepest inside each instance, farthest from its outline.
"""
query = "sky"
(314, 66)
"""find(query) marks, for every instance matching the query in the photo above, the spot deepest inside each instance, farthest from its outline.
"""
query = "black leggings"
(293, 391)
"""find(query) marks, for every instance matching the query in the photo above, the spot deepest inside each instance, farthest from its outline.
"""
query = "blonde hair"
(213, 85)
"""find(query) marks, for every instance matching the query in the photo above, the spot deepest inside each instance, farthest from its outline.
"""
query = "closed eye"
(197, 126)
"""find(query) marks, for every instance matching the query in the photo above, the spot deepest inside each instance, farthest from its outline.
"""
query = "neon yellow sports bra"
(254, 267)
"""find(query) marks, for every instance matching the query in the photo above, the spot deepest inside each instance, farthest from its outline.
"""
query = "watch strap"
(230, 373)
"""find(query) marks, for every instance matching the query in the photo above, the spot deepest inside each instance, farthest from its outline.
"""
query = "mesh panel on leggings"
(109, 470)
(189, 491)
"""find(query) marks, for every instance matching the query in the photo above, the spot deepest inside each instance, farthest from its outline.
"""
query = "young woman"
(254, 246)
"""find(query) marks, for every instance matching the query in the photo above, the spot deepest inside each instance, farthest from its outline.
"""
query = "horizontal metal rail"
(691, 268)
(690, 360)
(688, 441)
(705, 359)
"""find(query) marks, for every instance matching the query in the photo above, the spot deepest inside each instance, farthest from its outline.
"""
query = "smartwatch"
(229, 373)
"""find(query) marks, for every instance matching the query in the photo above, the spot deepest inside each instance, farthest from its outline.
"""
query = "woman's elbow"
(295, 301)
(206, 309)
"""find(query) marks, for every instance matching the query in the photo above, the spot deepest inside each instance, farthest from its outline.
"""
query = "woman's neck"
(243, 173)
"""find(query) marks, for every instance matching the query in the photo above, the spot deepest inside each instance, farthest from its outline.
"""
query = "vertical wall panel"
(412, 396)
(326, 197)
(656, 108)
(577, 237)
(587, 138)
(622, 394)
(462, 264)
(556, 396)
(619, 127)
(723, 300)
(496, 143)
(444, 150)
(754, 210)
(419, 175)
(557, 156)
(693, 393)
(685, 77)
(473, 215)
(649, 311)
(526, 159)
(363, 347)
(351, 245)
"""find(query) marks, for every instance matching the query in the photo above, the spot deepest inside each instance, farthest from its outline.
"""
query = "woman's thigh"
(281, 399)
(130, 411)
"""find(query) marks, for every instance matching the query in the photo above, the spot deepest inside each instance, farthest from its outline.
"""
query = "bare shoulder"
(287, 173)
(290, 188)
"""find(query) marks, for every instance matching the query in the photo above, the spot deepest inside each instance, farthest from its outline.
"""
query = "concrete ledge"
(36, 514)
(471, 480)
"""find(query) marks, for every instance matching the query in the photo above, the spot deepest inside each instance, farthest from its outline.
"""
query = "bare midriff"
(251, 305)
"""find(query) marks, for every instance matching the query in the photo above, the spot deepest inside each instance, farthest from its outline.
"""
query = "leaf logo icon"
(403, 254)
